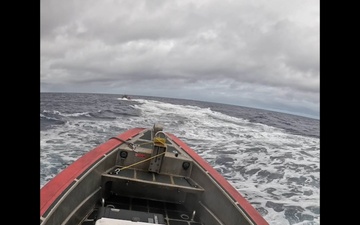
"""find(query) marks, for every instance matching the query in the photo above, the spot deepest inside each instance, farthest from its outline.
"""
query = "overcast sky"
(260, 53)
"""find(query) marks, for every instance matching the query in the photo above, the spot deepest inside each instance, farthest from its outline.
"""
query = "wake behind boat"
(140, 177)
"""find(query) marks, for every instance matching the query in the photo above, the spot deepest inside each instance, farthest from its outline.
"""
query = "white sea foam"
(265, 164)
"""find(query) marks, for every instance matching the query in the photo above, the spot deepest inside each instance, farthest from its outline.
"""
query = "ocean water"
(271, 158)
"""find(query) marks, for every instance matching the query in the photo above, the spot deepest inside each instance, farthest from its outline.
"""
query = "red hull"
(55, 187)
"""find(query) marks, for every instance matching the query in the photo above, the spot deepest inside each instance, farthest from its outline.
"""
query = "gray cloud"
(256, 54)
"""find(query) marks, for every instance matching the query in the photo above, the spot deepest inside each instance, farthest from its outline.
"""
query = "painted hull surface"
(143, 176)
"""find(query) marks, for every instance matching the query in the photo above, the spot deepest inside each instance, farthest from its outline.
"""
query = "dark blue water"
(102, 106)
(271, 158)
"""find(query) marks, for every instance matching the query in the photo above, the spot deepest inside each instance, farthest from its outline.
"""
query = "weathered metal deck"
(140, 177)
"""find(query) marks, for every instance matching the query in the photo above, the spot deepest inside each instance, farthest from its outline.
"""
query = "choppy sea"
(271, 158)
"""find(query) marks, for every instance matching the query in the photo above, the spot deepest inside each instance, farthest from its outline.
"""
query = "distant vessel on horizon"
(125, 97)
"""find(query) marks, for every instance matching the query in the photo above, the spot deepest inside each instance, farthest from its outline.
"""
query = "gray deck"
(174, 214)
(182, 183)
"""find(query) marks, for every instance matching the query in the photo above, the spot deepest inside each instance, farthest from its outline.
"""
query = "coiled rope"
(159, 140)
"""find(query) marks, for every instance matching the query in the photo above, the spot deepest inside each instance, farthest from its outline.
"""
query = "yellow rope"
(160, 140)
(126, 167)
(157, 140)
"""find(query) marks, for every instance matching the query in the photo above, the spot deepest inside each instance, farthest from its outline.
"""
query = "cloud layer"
(253, 53)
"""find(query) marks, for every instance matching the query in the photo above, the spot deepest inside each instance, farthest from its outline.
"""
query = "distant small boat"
(140, 177)
(126, 97)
